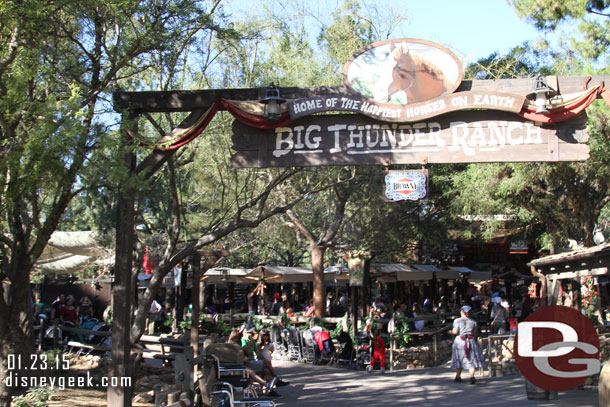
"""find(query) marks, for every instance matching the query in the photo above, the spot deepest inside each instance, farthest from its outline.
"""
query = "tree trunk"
(16, 322)
(13, 343)
(317, 263)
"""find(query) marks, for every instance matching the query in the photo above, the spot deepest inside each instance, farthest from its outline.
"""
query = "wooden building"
(554, 269)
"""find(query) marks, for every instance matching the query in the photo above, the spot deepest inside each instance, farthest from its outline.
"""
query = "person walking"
(466, 353)
(498, 316)
(378, 352)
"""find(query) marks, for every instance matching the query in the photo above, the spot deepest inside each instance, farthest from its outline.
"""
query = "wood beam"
(589, 263)
(187, 100)
(579, 273)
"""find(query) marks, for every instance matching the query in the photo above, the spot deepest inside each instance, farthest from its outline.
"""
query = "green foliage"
(543, 202)
(286, 323)
(305, 326)
(347, 33)
(259, 324)
(225, 328)
(591, 17)
(59, 63)
(590, 300)
(59, 139)
(401, 332)
(520, 62)
(168, 321)
(35, 397)
(342, 324)
(337, 330)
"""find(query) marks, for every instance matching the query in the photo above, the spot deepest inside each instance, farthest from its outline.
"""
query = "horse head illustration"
(418, 78)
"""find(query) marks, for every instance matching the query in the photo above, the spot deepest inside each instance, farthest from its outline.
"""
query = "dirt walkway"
(315, 386)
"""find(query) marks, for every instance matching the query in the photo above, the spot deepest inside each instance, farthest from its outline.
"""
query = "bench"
(163, 348)
(90, 347)
(82, 333)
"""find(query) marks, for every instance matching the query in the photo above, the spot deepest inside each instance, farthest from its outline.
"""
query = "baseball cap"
(466, 308)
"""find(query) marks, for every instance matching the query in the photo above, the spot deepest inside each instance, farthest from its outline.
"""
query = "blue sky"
(472, 29)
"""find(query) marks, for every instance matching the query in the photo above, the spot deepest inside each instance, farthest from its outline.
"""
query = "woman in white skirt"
(466, 352)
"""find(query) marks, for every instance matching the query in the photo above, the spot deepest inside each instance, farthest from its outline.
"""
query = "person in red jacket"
(378, 352)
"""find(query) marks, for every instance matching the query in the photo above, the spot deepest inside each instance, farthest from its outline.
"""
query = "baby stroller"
(281, 349)
(325, 351)
(364, 350)
(309, 346)
(346, 354)
(50, 332)
(294, 345)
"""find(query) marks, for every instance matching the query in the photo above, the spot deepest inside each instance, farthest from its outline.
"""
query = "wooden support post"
(434, 338)
(355, 311)
(196, 267)
(122, 291)
(55, 335)
(201, 286)
(366, 288)
(180, 314)
(553, 294)
(391, 352)
(489, 355)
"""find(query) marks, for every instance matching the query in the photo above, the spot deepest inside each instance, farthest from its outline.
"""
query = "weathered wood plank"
(522, 153)
(183, 100)
(334, 131)
(187, 100)
(459, 137)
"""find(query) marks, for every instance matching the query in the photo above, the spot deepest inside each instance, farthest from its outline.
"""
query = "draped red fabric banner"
(248, 119)
(197, 130)
(564, 112)
(189, 134)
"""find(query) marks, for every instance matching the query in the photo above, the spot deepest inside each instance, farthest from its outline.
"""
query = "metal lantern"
(272, 102)
(340, 267)
(541, 94)
(224, 274)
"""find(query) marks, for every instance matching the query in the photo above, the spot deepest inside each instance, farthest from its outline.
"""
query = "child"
(512, 323)
(378, 352)
(267, 349)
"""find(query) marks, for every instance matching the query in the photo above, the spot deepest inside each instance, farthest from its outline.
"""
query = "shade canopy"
(275, 274)
(221, 275)
(473, 275)
(413, 272)
(69, 252)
